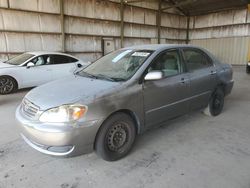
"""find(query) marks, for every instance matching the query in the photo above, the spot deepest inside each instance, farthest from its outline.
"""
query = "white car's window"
(38, 61)
(61, 59)
(117, 66)
(20, 59)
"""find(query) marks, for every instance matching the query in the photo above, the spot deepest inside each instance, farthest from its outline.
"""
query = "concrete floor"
(193, 151)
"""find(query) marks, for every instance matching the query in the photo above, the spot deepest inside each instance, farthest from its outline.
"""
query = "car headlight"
(63, 114)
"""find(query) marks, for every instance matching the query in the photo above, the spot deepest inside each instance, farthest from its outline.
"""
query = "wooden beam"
(158, 21)
(178, 7)
(122, 23)
(62, 25)
(188, 29)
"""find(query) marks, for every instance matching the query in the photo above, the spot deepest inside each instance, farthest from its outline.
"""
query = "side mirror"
(154, 75)
(30, 64)
(79, 65)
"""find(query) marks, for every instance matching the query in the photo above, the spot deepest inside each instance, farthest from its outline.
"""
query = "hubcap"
(117, 137)
(6, 85)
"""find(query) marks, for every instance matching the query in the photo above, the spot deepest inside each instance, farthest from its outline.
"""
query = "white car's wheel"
(7, 85)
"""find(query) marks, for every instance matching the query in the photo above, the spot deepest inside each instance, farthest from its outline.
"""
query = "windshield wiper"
(113, 79)
(119, 79)
(101, 76)
(87, 74)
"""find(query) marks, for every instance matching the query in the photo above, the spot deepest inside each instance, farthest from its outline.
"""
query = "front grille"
(29, 108)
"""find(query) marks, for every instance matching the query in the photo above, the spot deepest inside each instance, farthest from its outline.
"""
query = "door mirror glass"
(30, 64)
(154, 75)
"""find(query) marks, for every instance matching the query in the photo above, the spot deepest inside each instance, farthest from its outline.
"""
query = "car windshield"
(120, 65)
(18, 60)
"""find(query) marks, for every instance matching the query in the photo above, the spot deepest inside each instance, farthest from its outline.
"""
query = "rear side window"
(196, 59)
(60, 59)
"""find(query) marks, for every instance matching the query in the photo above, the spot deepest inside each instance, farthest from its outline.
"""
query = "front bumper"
(58, 139)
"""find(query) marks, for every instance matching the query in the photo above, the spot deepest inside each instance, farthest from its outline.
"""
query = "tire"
(115, 137)
(216, 103)
(7, 85)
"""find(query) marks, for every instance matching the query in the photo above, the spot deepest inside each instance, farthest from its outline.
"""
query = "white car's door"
(62, 65)
(35, 75)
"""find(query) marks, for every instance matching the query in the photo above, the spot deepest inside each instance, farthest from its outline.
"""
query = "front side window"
(38, 61)
(120, 65)
(20, 59)
(168, 62)
(196, 60)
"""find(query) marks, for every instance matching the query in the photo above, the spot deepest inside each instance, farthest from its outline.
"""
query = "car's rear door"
(203, 77)
(62, 65)
(166, 98)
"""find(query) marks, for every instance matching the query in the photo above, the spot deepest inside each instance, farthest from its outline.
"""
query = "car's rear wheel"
(216, 103)
(115, 137)
(7, 85)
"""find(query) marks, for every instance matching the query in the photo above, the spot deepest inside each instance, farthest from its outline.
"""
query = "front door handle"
(213, 72)
(183, 80)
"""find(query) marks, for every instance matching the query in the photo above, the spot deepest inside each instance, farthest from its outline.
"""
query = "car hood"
(5, 65)
(69, 90)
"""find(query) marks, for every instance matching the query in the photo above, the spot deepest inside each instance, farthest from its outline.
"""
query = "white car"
(36, 68)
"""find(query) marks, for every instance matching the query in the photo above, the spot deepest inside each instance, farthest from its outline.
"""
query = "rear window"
(196, 59)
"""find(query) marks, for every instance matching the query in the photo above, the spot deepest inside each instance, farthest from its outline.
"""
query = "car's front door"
(166, 98)
(36, 75)
(202, 74)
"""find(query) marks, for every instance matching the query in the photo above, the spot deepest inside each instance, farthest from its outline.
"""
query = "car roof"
(36, 53)
(156, 47)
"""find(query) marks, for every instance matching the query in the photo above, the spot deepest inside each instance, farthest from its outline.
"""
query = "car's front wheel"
(216, 103)
(7, 85)
(115, 137)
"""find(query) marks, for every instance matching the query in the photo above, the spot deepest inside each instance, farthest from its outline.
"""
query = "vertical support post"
(8, 3)
(158, 21)
(62, 24)
(248, 54)
(122, 23)
(188, 29)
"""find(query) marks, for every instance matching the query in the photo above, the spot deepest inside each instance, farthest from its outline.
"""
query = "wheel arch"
(16, 82)
(222, 86)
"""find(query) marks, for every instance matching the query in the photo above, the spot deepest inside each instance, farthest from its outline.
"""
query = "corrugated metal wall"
(229, 50)
(226, 34)
(28, 25)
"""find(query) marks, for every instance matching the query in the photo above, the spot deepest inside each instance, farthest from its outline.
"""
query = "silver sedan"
(104, 106)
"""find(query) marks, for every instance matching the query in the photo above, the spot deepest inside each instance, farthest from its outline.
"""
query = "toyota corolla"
(104, 106)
